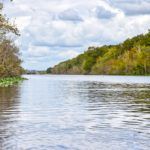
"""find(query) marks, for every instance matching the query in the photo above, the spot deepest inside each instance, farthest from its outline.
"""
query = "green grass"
(9, 81)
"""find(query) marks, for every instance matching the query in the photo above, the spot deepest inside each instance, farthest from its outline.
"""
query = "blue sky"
(56, 30)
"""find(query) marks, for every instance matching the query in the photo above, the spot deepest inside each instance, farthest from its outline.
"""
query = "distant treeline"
(10, 64)
(132, 57)
(35, 72)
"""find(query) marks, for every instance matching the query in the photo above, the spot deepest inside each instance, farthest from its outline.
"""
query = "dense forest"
(10, 64)
(132, 57)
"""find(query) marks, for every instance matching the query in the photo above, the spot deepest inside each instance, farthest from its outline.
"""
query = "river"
(72, 112)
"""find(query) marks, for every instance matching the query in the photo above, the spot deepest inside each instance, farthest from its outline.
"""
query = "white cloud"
(68, 54)
(136, 7)
(23, 22)
(70, 15)
(55, 30)
(38, 51)
(103, 13)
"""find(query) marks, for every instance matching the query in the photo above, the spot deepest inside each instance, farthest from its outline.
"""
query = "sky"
(56, 30)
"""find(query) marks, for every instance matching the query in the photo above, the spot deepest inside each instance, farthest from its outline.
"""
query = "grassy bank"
(5, 82)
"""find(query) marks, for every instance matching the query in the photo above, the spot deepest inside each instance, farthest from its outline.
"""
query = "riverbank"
(130, 57)
(9, 81)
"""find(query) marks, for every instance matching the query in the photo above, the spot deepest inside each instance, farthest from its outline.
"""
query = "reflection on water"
(8, 114)
(76, 112)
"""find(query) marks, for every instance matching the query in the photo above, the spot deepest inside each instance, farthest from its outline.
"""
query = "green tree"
(10, 64)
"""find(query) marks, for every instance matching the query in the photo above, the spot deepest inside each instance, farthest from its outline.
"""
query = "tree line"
(132, 57)
(10, 63)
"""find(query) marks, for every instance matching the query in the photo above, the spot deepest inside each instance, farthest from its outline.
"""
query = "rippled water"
(58, 112)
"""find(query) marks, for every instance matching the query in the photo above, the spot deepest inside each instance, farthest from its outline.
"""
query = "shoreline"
(146, 75)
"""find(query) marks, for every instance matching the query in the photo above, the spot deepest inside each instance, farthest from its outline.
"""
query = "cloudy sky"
(56, 30)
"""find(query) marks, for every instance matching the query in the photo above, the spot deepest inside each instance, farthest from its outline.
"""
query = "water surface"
(60, 112)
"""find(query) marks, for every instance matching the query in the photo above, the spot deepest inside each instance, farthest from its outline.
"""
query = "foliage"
(10, 64)
(5, 82)
(49, 70)
(132, 57)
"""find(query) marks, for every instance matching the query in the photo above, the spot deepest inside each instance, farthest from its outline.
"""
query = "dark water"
(76, 113)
